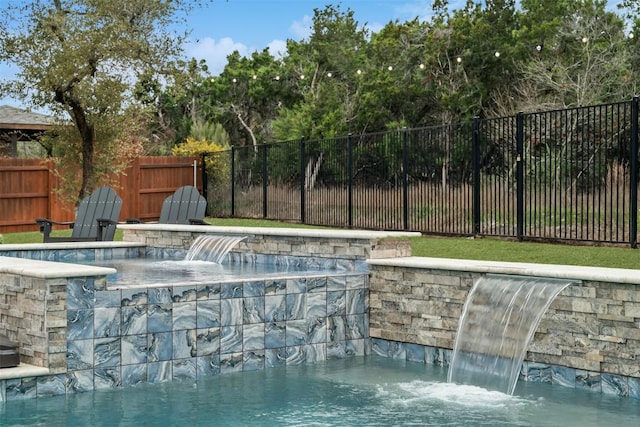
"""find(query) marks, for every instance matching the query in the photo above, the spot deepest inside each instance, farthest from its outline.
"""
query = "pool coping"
(275, 231)
(49, 269)
(559, 271)
(23, 370)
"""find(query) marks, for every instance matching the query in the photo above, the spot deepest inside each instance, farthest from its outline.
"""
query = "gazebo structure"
(19, 125)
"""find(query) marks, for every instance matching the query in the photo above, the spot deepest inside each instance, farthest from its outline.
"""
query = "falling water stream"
(212, 248)
(498, 321)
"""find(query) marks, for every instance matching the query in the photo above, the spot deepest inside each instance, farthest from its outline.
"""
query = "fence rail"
(28, 189)
(568, 175)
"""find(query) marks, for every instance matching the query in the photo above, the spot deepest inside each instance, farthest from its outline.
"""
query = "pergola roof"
(12, 118)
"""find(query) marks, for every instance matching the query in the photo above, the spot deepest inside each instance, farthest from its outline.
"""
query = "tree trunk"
(86, 136)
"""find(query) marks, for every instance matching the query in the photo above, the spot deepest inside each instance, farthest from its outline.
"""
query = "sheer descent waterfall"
(498, 321)
(212, 248)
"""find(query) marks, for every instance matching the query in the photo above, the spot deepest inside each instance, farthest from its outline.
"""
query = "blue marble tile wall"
(619, 385)
(123, 337)
(72, 255)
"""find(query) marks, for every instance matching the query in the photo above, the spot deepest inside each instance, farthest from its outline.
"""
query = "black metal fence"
(557, 175)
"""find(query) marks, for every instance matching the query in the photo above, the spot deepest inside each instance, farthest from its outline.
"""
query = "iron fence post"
(475, 146)
(264, 180)
(350, 187)
(302, 180)
(405, 179)
(633, 187)
(520, 175)
(205, 179)
(233, 181)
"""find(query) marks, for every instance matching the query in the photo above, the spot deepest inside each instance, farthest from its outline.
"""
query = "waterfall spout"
(212, 248)
(498, 321)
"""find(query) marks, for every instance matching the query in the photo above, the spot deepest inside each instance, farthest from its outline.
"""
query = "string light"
(421, 65)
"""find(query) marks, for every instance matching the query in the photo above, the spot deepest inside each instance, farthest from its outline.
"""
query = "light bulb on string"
(329, 74)
(390, 68)
(459, 59)
(255, 77)
(359, 71)
(421, 66)
(497, 54)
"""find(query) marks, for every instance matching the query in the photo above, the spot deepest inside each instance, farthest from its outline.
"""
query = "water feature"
(212, 248)
(498, 321)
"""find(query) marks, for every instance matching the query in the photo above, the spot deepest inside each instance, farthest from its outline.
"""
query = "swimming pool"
(371, 391)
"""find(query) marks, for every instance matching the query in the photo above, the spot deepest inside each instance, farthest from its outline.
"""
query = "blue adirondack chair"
(96, 218)
(185, 206)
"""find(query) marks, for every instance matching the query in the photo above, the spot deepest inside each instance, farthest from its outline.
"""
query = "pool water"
(144, 272)
(359, 391)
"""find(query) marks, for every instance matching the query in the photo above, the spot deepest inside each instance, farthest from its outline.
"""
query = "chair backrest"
(103, 203)
(183, 206)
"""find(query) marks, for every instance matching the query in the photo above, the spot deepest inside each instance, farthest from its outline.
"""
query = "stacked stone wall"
(33, 315)
(592, 326)
(303, 246)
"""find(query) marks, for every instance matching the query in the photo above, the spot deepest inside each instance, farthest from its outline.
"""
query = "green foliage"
(218, 167)
(80, 59)
(214, 132)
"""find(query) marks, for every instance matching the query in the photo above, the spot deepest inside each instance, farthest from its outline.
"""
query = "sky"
(252, 25)
(224, 26)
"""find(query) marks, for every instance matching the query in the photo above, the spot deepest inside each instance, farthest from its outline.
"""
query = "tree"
(323, 71)
(81, 58)
(583, 58)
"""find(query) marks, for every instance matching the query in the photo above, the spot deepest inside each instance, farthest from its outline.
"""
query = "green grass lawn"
(491, 249)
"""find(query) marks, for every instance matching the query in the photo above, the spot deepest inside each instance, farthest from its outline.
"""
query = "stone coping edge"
(23, 370)
(602, 274)
(268, 231)
(67, 245)
(50, 269)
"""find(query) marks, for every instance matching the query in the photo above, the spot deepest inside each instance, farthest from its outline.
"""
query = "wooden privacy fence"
(28, 189)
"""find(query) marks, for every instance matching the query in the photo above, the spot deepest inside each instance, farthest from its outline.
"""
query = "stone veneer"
(320, 243)
(589, 337)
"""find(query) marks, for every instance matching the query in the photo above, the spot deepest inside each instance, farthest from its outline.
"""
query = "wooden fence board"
(28, 190)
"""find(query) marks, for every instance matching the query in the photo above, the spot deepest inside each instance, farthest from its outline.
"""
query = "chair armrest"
(41, 221)
(197, 222)
(47, 224)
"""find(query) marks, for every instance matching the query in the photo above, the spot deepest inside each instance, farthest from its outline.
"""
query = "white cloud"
(301, 29)
(215, 52)
(278, 48)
